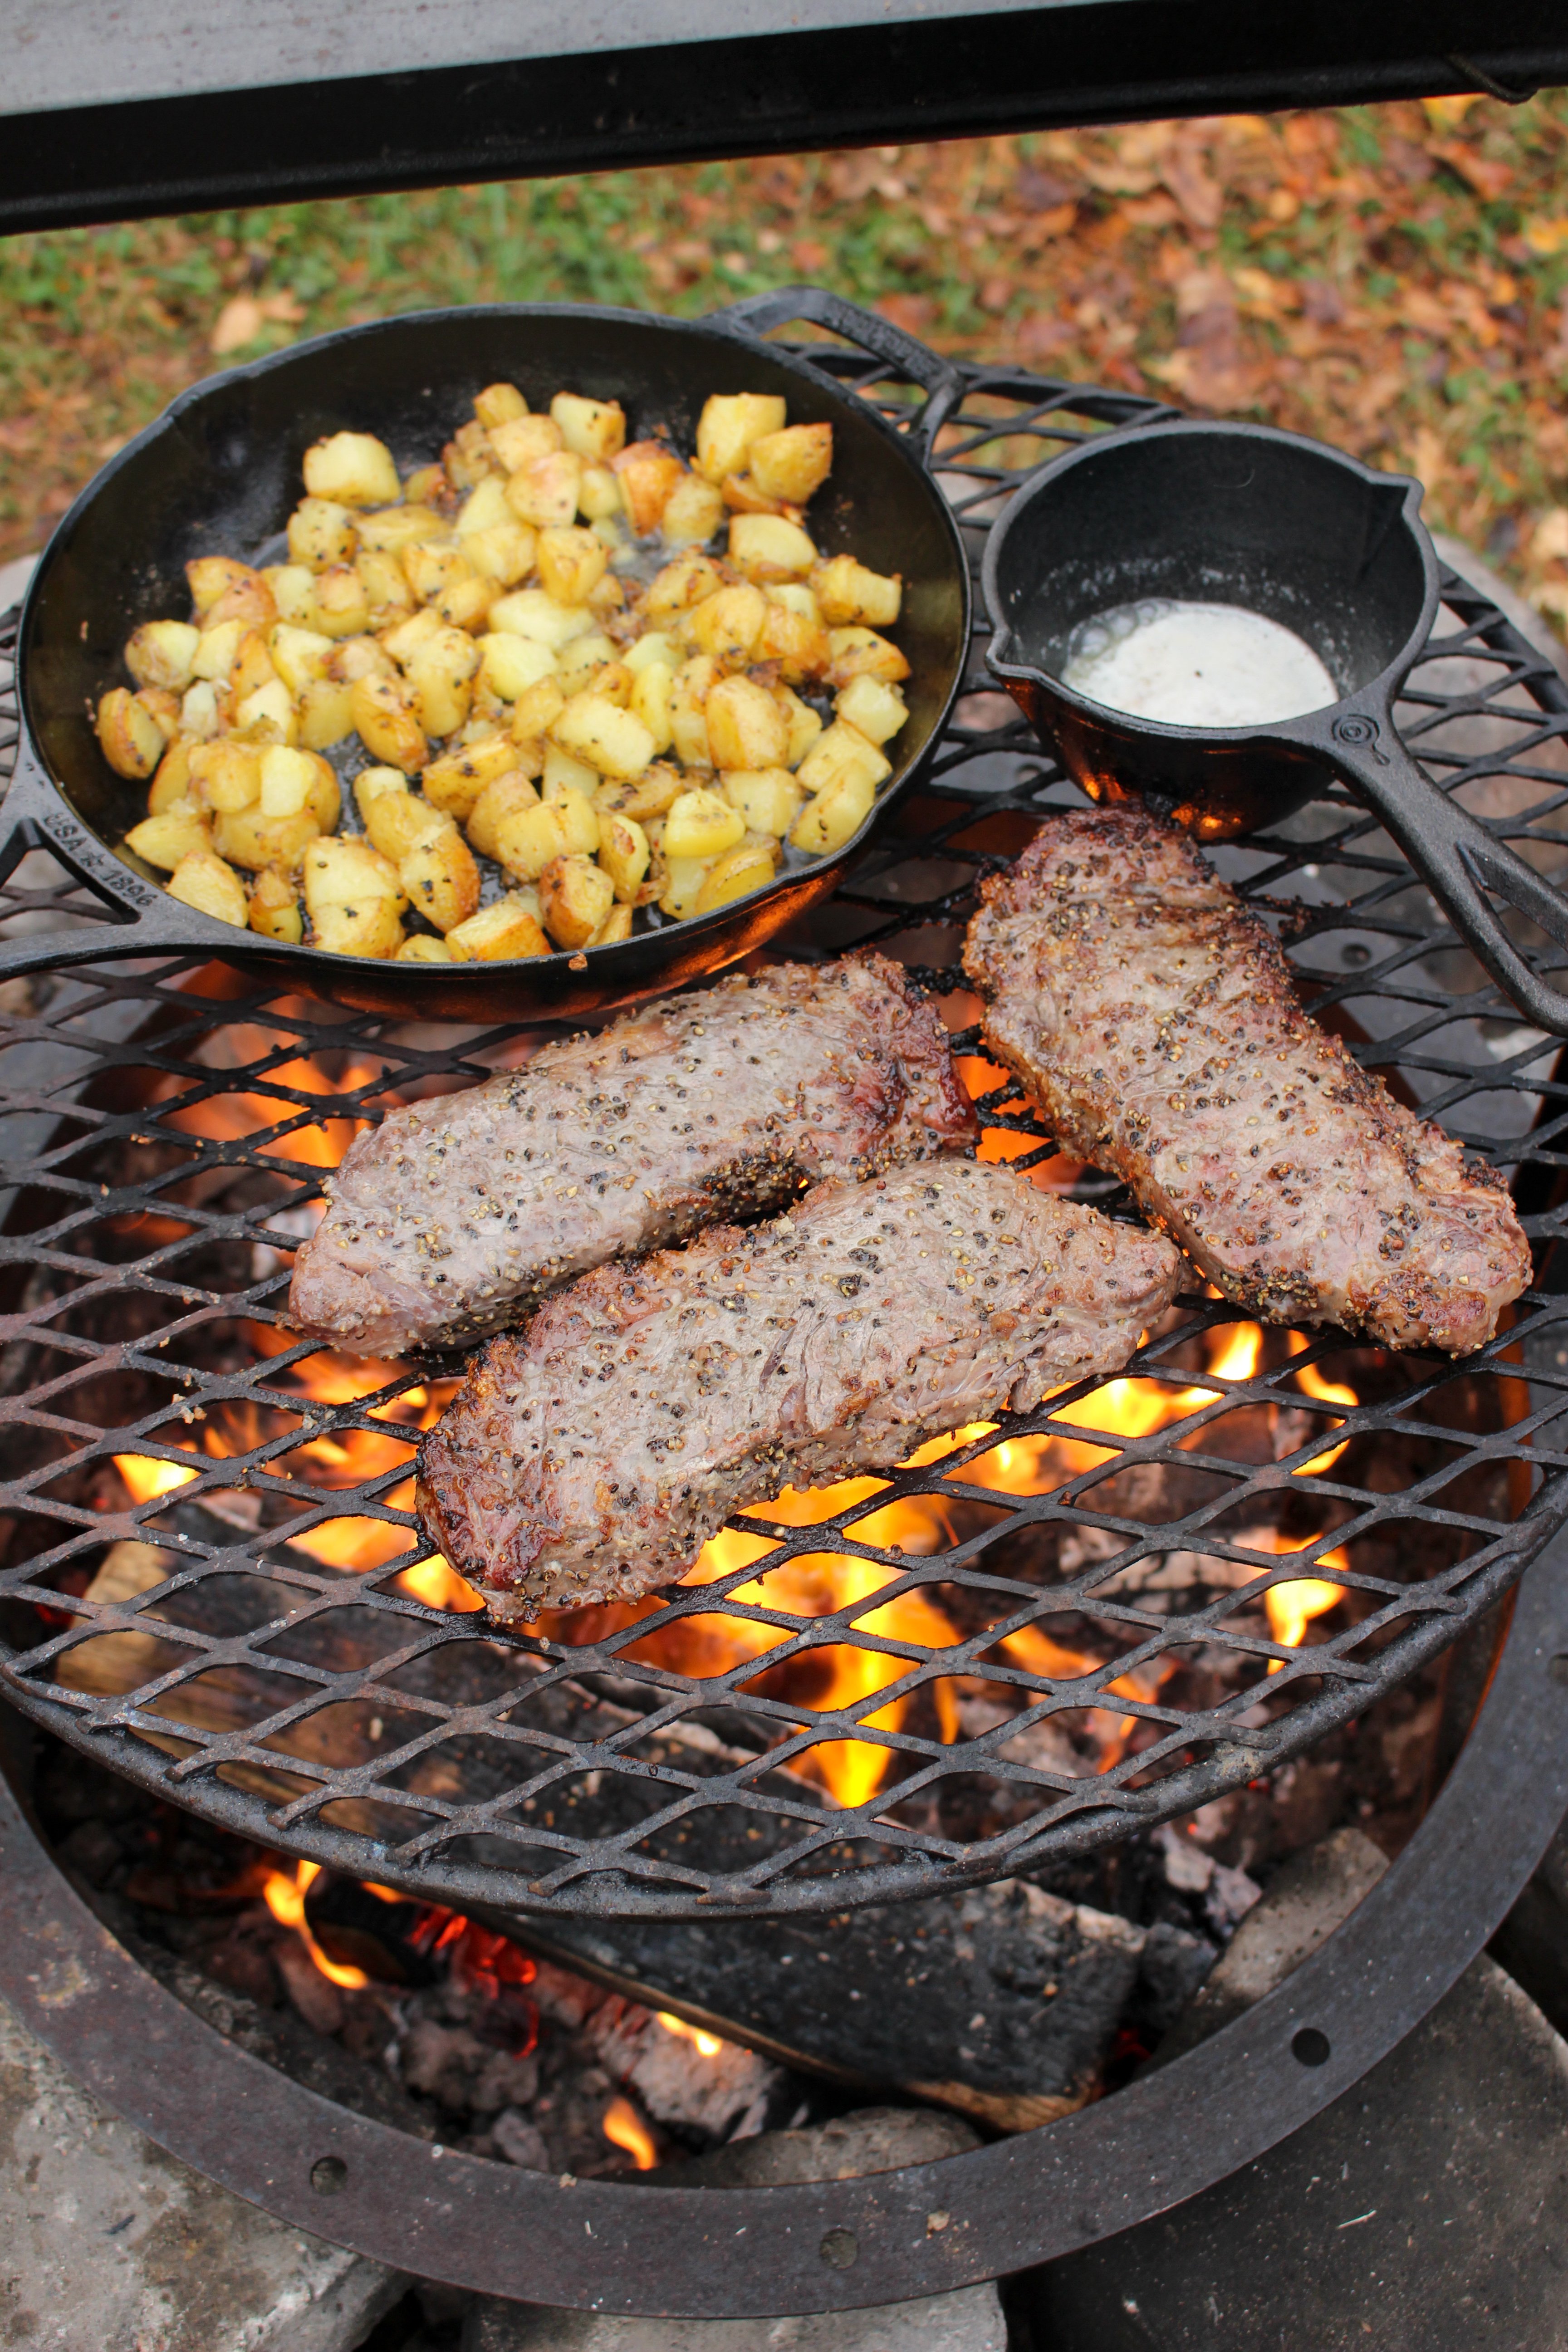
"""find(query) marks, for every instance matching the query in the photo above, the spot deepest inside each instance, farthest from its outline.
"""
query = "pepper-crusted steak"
(592, 1456)
(1152, 1016)
(458, 1215)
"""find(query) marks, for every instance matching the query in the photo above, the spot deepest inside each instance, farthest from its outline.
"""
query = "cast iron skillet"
(219, 472)
(1244, 514)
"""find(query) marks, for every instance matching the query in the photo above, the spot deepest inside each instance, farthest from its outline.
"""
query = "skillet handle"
(756, 313)
(1453, 853)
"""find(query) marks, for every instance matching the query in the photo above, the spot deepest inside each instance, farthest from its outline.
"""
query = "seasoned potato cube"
(210, 576)
(791, 465)
(199, 716)
(836, 814)
(523, 440)
(692, 513)
(291, 782)
(484, 507)
(386, 724)
(701, 823)
(326, 714)
(748, 867)
(503, 555)
(465, 603)
(441, 680)
(356, 657)
(425, 485)
(394, 821)
(467, 457)
(688, 711)
(353, 469)
(321, 532)
(172, 781)
(499, 403)
(504, 796)
(341, 606)
(649, 473)
(796, 642)
(652, 796)
(163, 839)
(842, 751)
(728, 625)
(768, 547)
(746, 729)
(578, 663)
(399, 526)
(163, 707)
(612, 741)
(804, 726)
(293, 587)
(268, 716)
(510, 665)
(366, 926)
(252, 666)
(877, 709)
(373, 784)
(247, 601)
(299, 655)
(615, 927)
(405, 637)
(742, 496)
(340, 870)
(439, 875)
(453, 782)
(564, 827)
(848, 593)
(275, 909)
(202, 880)
(510, 928)
(217, 650)
(683, 880)
(600, 499)
(768, 798)
(535, 709)
(683, 585)
(572, 562)
(595, 428)
(862, 653)
(420, 948)
(247, 838)
(534, 614)
(652, 646)
(575, 896)
(161, 654)
(545, 492)
(226, 776)
(652, 687)
(730, 425)
(624, 853)
(563, 773)
(431, 565)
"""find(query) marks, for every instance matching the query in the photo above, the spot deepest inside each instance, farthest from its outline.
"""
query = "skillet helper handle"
(138, 918)
(1455, 856)
(937, 377)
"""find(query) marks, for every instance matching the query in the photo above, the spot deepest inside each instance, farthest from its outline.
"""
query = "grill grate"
(1076, 1624)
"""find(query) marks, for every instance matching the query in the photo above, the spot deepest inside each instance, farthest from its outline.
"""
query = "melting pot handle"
(1455, 854)
(757, 312)
(138, 918)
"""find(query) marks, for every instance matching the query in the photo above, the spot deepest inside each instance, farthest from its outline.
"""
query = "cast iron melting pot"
(1242, 514)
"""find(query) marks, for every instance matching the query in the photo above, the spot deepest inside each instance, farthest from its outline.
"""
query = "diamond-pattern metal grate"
(1085, 1621)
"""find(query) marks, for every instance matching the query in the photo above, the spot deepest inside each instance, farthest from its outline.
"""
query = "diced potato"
(387, 726)
(613, 742)
(504, 796)
(248, 601)
(441, 680)
(746, 729)
(275, 909)
(174, 833)
(875, 709)
(199, 712)
(681, 586)
(293, 587)
(172, 780)
(796, 596)
(484, 507)
(403, 639)
(226, 776)
(687, 707)
(321, 532)
(683, 880)
(162, 707)
(503, 555)
(499, 403)
(420, 948)
(842, 751)
(425, 486)
(299, 655)
(652, 646)
(431, 565)
(467, 457)
(373, 784)
(528, 842)
(750, 868)
(791, 465)
(453, 782)
(161, 654)
(465, 603)
(399, 526)
(292, 781)
(615, 927)
(862, 653)
(768, 798)
(341, 606)
(595, 429)
(576, 663)
(652, 796)
(245, 838)
(509, 927)
(572, 562)
(523, 440)
(768, 547)
(649, 473)
(439, 874)
(849, 595)
(701, 823)
(796, 642)
(624, 853)
(729, 427)
(534, 614)
(728, 625)
(836, 814)
(742, 496)
(268, 716)
(366, 926)
(600, 499)
(563, 775)
(217, 648)
(574, 898)
(805, 725)
(355, 470)
(252, 666)
(357, 657)
(653, 685)
(210, 576)
(394, 821)
(326, 714)
(692, 513)
(340, 870)
(545, 491)
(510, 665)
(202, 880)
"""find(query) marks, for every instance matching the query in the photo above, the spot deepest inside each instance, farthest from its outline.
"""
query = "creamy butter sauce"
(1191, 665)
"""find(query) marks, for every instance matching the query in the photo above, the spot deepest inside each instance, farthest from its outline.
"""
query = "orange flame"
(624, 2128)
(285, 1898)
(707, 2045)
(1311, 1382)
(1292, 1606)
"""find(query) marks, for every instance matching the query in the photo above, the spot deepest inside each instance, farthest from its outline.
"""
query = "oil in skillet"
(1194, 665)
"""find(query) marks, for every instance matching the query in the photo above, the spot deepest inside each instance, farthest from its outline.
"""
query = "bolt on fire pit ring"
(1059, 1632)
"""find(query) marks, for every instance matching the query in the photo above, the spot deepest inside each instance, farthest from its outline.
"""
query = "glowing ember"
(708, 2045)
(624, 2128)
(285, 1898)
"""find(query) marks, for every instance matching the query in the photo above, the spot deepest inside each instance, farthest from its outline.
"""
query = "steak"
(456, 1216)
(1152, 1016)
(591, 1456)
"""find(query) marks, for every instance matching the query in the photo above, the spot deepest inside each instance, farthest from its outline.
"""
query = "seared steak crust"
(591, 1456)
(1152, 1017)
(458, 1215)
